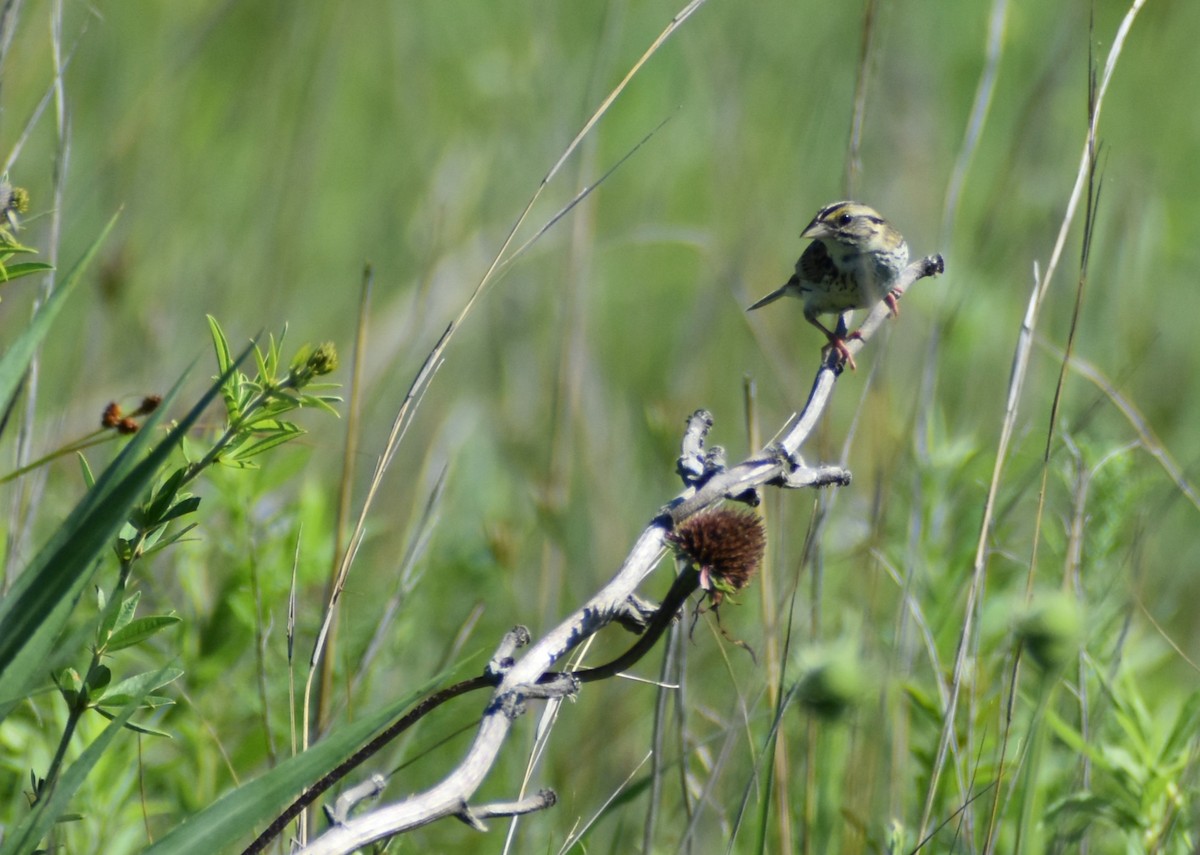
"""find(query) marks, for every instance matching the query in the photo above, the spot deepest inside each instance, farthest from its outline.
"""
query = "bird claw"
(838, 344)
(890, 298)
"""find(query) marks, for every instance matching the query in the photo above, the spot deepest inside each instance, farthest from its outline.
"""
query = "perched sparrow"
(854, 259)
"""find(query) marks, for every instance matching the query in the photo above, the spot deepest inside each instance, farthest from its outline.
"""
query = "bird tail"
(770, 298)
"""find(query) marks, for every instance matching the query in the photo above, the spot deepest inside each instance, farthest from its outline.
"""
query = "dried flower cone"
(725, 545)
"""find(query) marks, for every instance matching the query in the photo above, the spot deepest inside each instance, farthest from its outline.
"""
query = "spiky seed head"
(725, 545)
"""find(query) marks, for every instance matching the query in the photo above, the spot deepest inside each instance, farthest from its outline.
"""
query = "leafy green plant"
(139, 505)
(13, 202)
(1139, 781)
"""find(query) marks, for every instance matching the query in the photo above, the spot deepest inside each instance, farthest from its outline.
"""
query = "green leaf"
(164, 542)
(1184, 731)
(138, 631)
(265, 443)
(164, 496)
(220, 345)
(98, 678)
(88, 478)
(26, 835)
(39, 603)
(185, 506)
(229, 386)
(264, 370)
(127, 611)
(133, 689)
(237, 464)
(134, 726)
(322, 402)
(153, 702)
(9, 247)
(24, 268)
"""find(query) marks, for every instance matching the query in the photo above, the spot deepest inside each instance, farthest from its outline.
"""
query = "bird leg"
(836, 342)
(890, 298)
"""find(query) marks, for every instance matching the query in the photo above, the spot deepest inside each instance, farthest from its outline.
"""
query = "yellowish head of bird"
(852, 224)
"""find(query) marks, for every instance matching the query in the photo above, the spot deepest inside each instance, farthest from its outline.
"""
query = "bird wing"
(815, 264)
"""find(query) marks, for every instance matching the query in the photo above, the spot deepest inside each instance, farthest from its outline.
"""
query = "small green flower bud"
(310, 362)
(833, 684)
(13, 201)
(1051, 629)
(324, 360)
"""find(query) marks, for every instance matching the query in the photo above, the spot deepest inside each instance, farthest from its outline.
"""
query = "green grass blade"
(34, 827)
(37, 607)
(245, 811)
(17, 358)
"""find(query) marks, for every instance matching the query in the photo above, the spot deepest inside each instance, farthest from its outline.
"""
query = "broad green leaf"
(127, 611)
(186, 505)
(114, 617)
(138, 686)
(163, 497)
(138, 631)
(98, 679)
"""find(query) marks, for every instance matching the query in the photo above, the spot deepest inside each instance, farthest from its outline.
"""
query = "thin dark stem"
(683, 587)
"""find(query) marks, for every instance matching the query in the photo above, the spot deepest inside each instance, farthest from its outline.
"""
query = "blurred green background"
(263, 152)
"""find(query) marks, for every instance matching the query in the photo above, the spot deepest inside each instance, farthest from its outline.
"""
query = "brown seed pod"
(112, 415)
(725, 545)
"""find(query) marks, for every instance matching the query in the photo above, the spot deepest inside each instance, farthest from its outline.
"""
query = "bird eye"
(844, 220)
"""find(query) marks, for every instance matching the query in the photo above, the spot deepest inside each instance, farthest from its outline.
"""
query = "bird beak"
(815, 231)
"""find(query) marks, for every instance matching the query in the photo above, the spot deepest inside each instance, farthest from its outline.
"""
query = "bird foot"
(890, 298)
(838, 344)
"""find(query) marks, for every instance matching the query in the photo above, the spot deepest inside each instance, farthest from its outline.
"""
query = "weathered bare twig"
(474, 816)
(347, 801)
(707, 483)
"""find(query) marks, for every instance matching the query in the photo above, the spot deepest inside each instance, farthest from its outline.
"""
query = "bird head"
(850, 224)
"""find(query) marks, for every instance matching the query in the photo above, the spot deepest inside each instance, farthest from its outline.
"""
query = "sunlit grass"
(262, 154)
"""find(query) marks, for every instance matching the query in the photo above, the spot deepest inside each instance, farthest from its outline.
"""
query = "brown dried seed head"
(725, 544)
(111, 416)
(149, 404)
(127, 426)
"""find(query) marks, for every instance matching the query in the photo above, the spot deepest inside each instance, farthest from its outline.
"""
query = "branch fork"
(707, 481)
